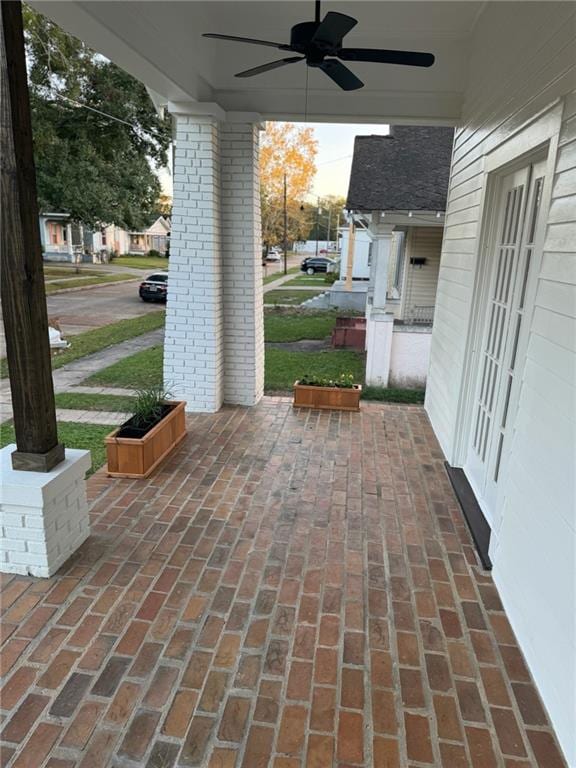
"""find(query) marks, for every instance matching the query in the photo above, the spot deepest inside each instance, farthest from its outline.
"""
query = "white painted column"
(379, 322)
(193, 346)
(69, 241)
(242, 263)
(381, 253)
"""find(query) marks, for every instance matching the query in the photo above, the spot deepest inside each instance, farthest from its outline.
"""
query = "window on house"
(103, 233)
(56, 233)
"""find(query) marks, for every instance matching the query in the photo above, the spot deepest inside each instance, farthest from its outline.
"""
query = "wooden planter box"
(128, 457)
(327, 398)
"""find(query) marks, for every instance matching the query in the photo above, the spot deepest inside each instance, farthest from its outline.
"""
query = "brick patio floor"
(293, 590)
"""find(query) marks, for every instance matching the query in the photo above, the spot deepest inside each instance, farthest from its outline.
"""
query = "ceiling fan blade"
(332, 29)
(410, 58)
(251, 40)
(341, 75)
(269, 66)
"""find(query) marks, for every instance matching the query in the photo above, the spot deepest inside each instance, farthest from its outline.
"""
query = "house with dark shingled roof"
(401, 179)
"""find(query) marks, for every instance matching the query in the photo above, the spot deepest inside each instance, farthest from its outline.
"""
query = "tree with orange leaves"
(288, 149)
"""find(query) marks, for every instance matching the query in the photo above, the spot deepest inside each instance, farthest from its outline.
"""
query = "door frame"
(534, 140)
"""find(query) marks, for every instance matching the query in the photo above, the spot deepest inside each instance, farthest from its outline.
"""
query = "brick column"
(242, 264)
(193, 346)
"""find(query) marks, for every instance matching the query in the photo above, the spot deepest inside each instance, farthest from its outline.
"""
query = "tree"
(325, 225)
(164, 205)
(97, 136)
(291, 150)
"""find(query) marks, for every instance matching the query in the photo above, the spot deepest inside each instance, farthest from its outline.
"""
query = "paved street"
(79, 311)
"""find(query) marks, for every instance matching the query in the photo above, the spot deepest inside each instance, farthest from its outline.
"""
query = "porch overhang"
(162, 45)
(401, 219)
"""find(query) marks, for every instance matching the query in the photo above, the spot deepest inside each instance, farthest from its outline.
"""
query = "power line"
(135, 128)
(335, 160)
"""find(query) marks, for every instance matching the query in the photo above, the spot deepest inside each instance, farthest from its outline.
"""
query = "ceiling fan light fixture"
(319, 42)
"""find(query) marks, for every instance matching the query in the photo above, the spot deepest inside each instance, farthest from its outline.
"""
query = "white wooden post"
(379, 322)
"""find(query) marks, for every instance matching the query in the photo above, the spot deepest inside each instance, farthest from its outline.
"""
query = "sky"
(334, 158)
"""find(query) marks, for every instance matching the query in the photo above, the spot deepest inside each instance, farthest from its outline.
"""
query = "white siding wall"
(420, 283)
(519, 66)
(535, 548)
(409, 357)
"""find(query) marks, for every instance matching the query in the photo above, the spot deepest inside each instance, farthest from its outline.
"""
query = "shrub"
(331, 277)
(154, 254)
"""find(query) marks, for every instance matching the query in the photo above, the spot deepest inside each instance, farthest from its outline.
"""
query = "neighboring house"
(399, 181)
(65, 240)
(155, 238)
(59, 243)
(401, 178)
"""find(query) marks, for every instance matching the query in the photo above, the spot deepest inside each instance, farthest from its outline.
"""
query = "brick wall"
(242, 264)
(193, 347)
(44, 516)
(214, 346)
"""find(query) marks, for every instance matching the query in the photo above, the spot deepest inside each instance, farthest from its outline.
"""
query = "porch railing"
(420, 315)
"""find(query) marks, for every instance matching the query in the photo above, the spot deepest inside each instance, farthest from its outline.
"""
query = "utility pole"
(317, 224)
(328, 239)
(285, 226)
(23, 294)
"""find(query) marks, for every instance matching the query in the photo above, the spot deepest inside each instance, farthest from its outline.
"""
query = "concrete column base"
(379, 329)
(44, 515)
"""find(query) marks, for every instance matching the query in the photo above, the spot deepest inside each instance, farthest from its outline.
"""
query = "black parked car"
(155, 287)
(315, 264)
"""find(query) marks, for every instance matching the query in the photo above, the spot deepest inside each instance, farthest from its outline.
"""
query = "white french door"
(510, 256)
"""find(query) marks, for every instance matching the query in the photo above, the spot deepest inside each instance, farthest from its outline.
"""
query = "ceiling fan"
(319, 43)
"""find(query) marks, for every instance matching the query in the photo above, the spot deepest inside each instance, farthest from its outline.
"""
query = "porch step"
(322, 301)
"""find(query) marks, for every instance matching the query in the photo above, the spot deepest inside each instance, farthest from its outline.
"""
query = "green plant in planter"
(149, 404)
(344, 381)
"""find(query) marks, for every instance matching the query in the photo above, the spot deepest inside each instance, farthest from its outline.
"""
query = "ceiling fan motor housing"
(302, 34)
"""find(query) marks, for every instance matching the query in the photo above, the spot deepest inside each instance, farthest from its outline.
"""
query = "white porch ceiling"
(160, 43)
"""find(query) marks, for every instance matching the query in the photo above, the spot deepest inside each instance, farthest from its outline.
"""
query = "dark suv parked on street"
(317, 264)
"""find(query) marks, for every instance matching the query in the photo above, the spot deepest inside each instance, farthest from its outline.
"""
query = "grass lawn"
(283, 368)
(291, 325)
(318, 280)
(278, 275)
(288, 297)
(74, 435)
(142, 262)
(99, 338)
(59, 285)
(391, 395)
(85, 402)
(144, 369)
(69, 271)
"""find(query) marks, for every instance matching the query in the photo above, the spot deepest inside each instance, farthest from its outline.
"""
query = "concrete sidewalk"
(69, 377)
